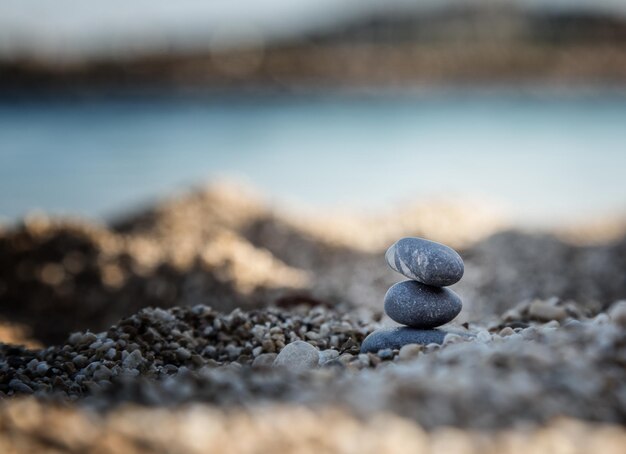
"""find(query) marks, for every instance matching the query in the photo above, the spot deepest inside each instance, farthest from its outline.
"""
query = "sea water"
(544, 156)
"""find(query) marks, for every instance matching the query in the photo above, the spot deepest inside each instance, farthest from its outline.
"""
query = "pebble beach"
(214, 321)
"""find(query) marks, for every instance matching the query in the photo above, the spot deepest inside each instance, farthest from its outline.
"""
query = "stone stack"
(422, 303)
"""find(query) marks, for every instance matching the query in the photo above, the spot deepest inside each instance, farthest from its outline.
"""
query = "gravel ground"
(520, 369)
(160, 333)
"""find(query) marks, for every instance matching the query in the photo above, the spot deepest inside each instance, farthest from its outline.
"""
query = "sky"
(69, 29)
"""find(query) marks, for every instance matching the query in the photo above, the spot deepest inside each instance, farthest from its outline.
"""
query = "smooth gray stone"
(421, 306)
(425, 261)
(298, 356)
(396, 338)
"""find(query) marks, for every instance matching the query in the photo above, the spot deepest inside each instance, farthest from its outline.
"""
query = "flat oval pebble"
(396, 338)
(421, 306)
(425, 261)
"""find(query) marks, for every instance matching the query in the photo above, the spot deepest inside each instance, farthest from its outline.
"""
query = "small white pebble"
(452, 339)
(601, 319)
(617, 313)
(409, 351)
(553, 324)
(364, 359)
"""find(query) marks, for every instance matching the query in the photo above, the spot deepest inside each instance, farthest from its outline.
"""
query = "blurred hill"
(226, 248)
(475, 42)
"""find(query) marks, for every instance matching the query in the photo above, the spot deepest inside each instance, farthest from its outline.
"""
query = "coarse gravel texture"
(514, 371)
(157, 343)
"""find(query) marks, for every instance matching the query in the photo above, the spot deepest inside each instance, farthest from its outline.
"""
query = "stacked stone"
(422, 303)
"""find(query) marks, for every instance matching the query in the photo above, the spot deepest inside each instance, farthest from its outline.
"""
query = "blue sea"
(546, 157)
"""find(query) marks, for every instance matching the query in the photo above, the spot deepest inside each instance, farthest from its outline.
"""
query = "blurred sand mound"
(224, 247)
(28, 426)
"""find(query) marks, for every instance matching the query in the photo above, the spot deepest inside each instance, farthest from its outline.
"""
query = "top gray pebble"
(425, 261)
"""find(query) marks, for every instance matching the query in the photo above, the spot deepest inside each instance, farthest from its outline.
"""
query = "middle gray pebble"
(417, 305)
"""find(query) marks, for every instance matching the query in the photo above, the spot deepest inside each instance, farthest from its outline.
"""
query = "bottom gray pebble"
(396, 338)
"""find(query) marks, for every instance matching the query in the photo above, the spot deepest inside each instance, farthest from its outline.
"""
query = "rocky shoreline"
(166, 326)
